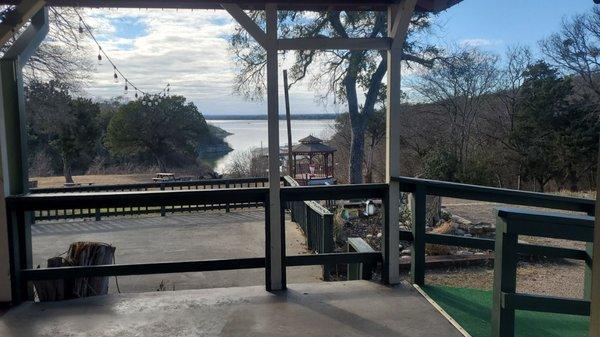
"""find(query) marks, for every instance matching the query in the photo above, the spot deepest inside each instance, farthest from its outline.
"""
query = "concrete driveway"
(197, 236)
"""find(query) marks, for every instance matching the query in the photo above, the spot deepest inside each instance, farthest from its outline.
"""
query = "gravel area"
(555, 278)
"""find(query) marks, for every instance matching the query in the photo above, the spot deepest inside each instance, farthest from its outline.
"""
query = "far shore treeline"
(264, 117)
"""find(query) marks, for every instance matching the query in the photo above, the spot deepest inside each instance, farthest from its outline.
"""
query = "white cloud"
(188, 49)
(480, 42)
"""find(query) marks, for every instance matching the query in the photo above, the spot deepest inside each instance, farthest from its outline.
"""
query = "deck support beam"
(595, 291)
(276, 242)
(13, 141)
(398, 22)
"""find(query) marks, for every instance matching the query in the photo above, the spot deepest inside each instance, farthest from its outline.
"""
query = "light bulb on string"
(115, 76)
(99, 56)
(80, 27)
(125, 89)
(136, 95)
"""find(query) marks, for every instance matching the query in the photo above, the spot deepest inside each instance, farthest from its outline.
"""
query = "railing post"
(328, 244)
(162, 207)
(19, 252)
(418, 213)
(398, 20)
(587, 279)
(97, 214)
(227, 204)
(505, 280)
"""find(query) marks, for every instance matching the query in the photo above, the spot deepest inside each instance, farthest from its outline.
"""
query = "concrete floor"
(180, 237)
(349, 309)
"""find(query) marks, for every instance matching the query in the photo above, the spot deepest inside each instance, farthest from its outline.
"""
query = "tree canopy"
(171, 130)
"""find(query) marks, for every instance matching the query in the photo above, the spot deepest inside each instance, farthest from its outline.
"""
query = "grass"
(96, 179)
(471, 308)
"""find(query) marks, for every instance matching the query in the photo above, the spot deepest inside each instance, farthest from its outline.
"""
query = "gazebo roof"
(312, 144)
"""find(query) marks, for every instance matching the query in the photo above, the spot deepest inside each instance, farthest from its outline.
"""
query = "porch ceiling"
(318, 5)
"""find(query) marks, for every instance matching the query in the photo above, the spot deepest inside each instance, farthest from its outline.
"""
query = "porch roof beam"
(18, 17)
(382, 43)
(309, 5)
(245, 21)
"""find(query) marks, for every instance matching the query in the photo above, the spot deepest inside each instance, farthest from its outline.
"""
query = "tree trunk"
(67, 171)
(573, 180)
(161, 164)
(357, 150)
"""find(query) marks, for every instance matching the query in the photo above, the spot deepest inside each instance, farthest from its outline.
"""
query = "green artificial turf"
(471, 308)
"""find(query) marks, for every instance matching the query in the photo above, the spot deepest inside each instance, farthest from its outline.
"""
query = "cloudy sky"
(188, 49)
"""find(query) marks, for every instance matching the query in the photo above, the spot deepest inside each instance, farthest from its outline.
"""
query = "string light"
(102, 55)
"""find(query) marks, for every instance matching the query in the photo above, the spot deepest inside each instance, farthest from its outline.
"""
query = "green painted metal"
(13, 142)
(505, 280)
(500, 195)
(509, 225)
(539, 303)
(418, 211)
(359, 271)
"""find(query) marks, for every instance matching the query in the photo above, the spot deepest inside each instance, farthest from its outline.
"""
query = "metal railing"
(98, 213)
(421, 188)
(18, 208)
(510, 224)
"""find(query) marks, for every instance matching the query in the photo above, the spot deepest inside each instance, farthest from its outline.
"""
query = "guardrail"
(18, 208)
(420, 188)
(98, 213)
(509, 225)
(316, 222)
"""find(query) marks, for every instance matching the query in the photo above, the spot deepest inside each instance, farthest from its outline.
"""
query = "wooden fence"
(99, 213)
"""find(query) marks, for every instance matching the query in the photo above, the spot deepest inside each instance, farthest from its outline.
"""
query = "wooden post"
(288, 119)
(13, 141)
(505, 280)
(398, 21)
(419, 216)
(595, 291)
(276, 277)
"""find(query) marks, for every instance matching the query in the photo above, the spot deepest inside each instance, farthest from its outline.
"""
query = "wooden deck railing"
(420, 188)
(18, 208)
(509, 225)
(98, 213)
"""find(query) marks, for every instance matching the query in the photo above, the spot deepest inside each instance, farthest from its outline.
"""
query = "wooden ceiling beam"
(316, 5)
(16, 19)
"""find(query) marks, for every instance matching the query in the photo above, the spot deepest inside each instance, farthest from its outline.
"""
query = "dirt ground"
(95, 179)
(556, 278)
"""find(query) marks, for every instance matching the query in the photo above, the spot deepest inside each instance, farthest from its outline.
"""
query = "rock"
(406, 252)
(461, 222)
(379, 235)
(369, 236)
(482, 229)
(400, 248)
(459, 232)
(445, 214)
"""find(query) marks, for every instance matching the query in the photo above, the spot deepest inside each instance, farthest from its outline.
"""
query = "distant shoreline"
(264, 117)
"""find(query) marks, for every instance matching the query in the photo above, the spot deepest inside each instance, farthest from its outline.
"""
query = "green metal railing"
(98, 213)
(420, 188)
(19, 207)
(510, 224)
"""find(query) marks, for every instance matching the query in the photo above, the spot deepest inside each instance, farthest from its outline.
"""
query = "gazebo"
(313, 162)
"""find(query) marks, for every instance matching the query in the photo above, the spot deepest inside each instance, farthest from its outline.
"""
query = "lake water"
(251, 134)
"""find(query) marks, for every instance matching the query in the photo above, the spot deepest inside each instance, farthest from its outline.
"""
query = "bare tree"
(576, 48)
(63, 55)
(458, 86)
(343, 75)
